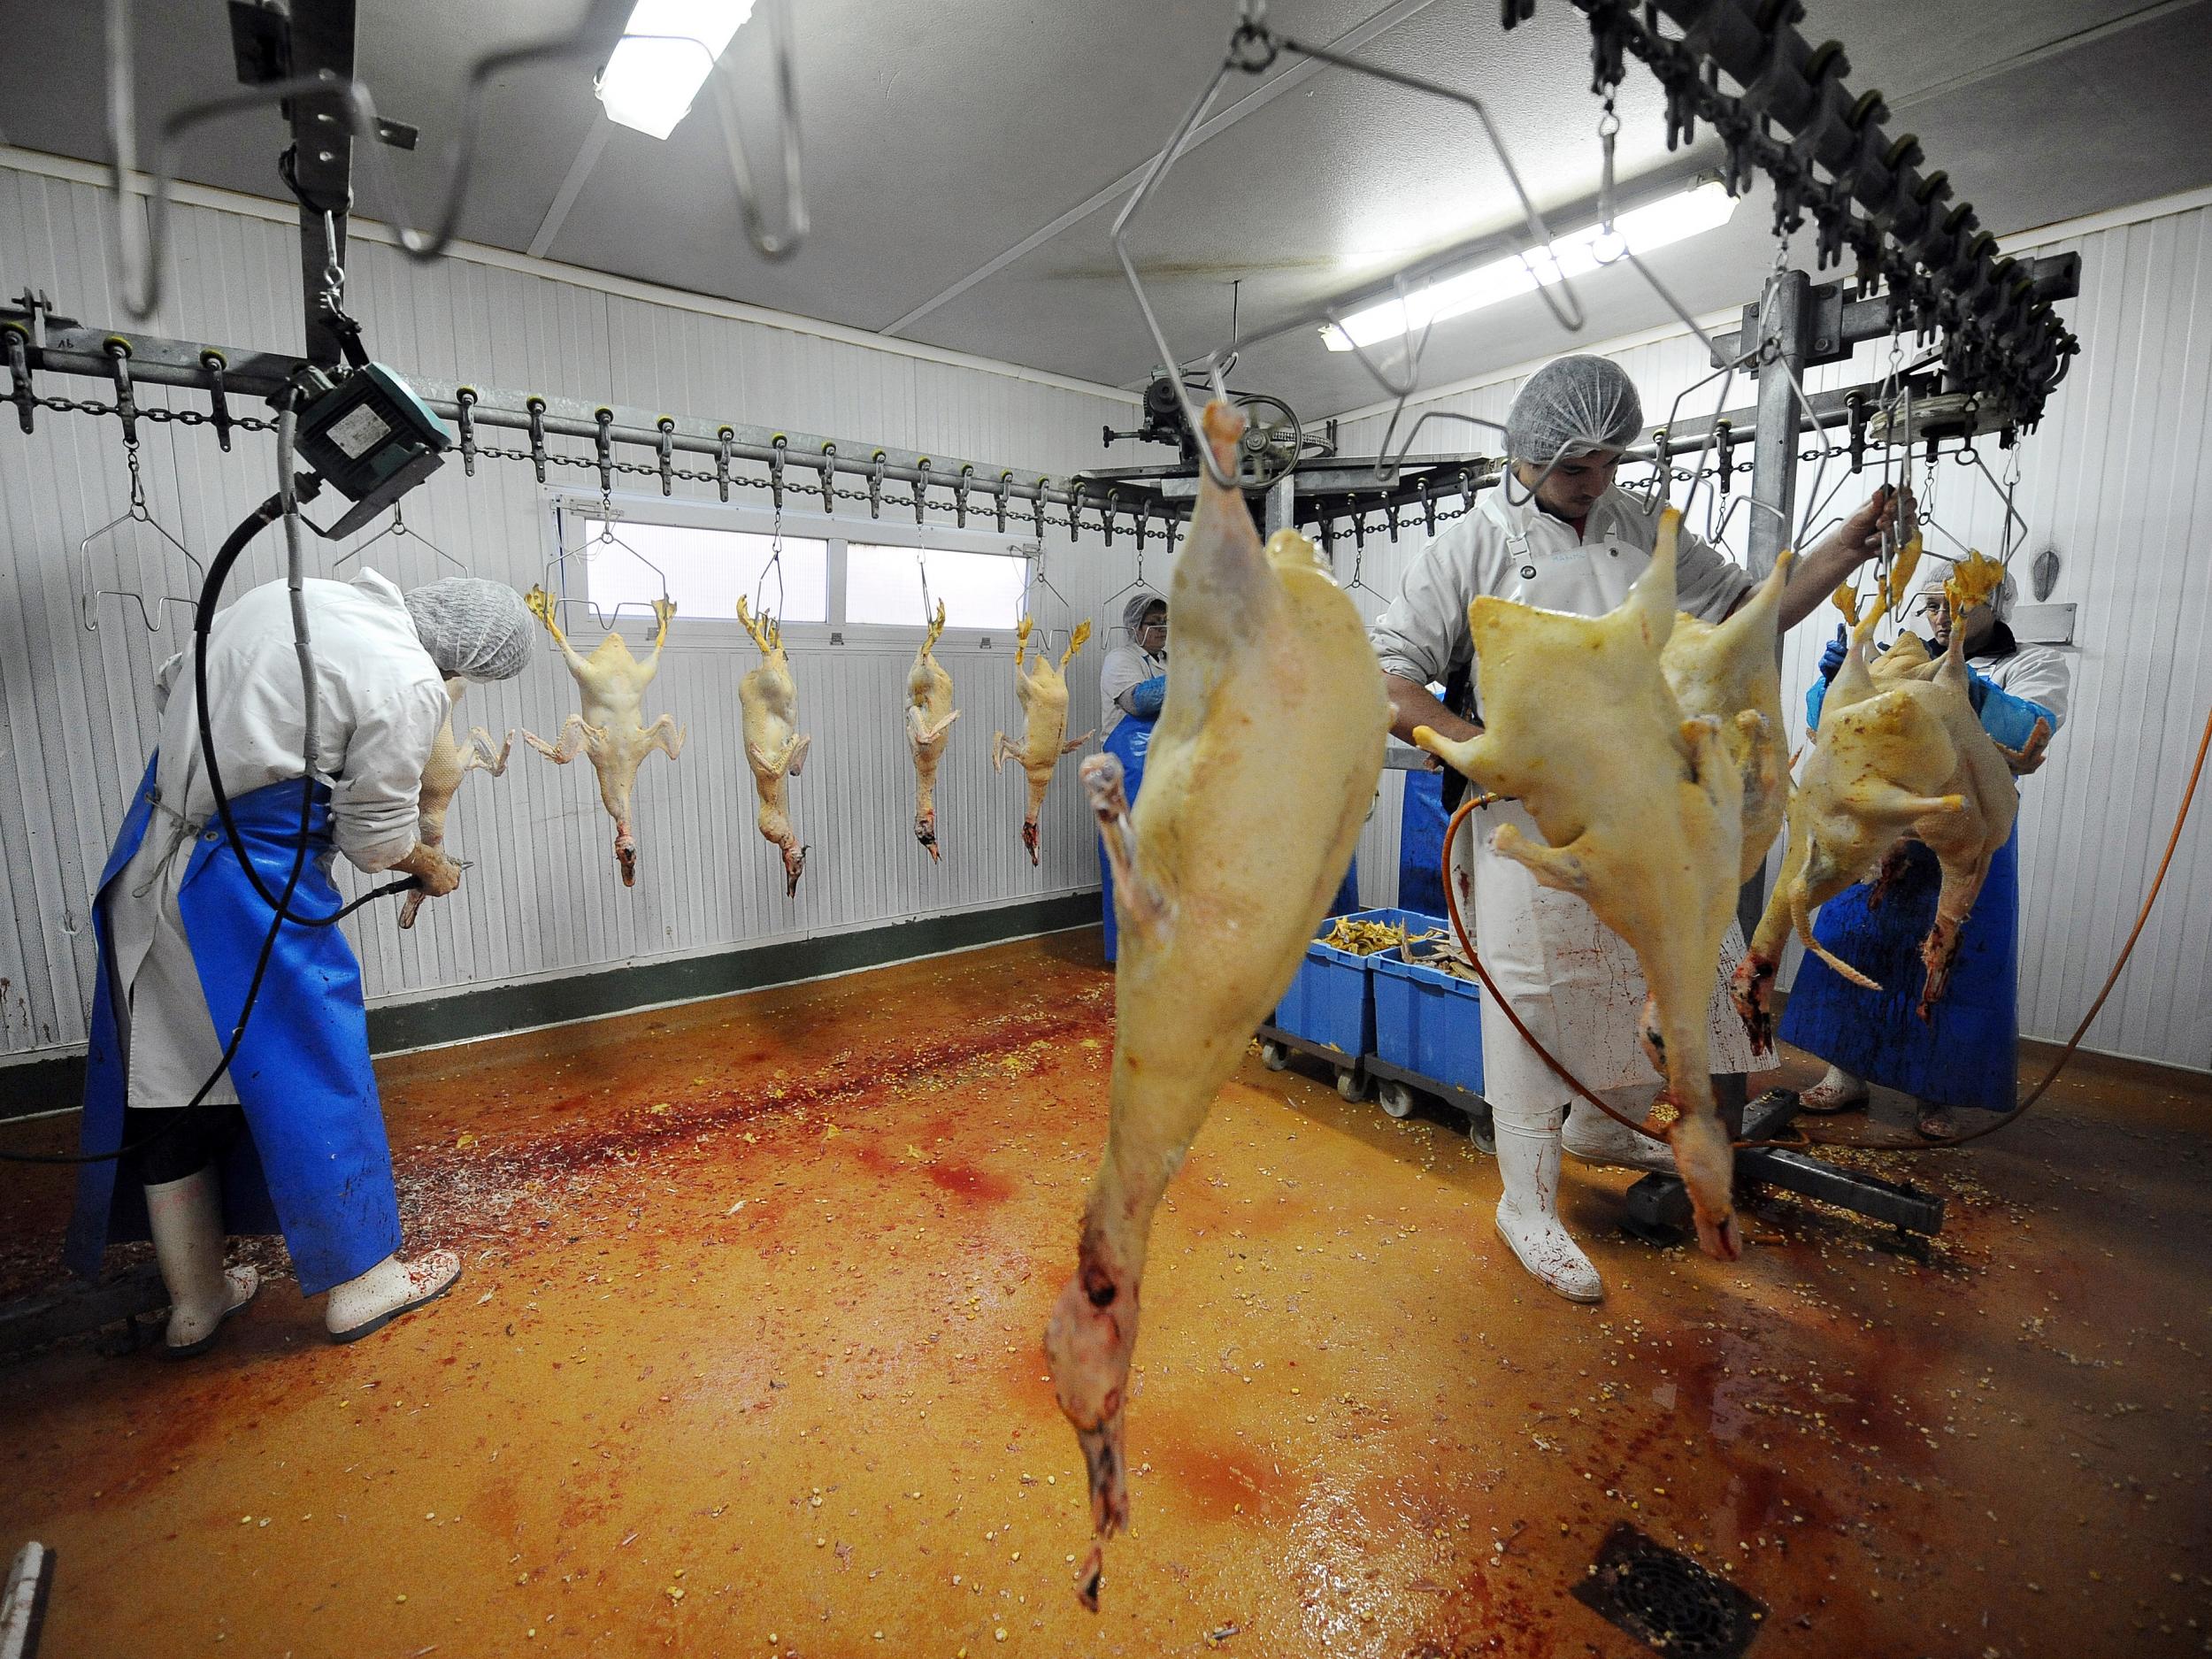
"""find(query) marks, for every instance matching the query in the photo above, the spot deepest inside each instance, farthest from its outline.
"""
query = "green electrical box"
(371, 438)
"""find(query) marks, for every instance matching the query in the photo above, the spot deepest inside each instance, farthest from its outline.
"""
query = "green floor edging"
(465, 1015)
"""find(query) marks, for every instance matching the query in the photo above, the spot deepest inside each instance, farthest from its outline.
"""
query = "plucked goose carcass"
(1642, 812)
(929, 717)
(1043, 696)
(1899, 752)
(768, 703)
(613, 683)
(1260, 772)
(448, 763)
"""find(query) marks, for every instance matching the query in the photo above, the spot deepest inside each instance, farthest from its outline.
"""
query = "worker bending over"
(1555, 533)
(291, 1139)
(1965, 1054)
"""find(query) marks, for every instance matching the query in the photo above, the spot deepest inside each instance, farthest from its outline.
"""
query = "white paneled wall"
(2118, 479)
(544, 898)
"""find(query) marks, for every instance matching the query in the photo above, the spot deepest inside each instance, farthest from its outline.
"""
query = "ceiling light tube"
(667, 49)
(1672, 218)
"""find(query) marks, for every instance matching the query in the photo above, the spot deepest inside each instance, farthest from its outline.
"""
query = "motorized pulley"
(1272, 439)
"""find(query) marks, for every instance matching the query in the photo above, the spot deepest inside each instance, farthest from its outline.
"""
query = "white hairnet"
(1140, 602)
(1571, 406)
(471, 627)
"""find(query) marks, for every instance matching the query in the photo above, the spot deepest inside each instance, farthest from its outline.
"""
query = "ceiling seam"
(572, 186)
(1305, 70)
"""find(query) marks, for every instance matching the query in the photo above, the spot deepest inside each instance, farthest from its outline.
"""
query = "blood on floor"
(747, 1361)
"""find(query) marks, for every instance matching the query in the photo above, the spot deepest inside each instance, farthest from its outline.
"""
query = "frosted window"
(706, 571)
(979, 590)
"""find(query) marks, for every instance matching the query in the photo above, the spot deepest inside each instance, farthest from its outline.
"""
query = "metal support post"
(1774, 454)
(1282, 506)
(1785, 307)
(322, 38)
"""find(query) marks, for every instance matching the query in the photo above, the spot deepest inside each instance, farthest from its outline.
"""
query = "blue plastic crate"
(1331, 1001)
(1427, 1021)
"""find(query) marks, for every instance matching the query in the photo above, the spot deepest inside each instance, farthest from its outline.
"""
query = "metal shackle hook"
(921, 487)
(605, 418)
(119, 350)
(1005, 479)
(779, 443)
(535, 406)
(829, 475)
(723, 438)
(960, 496)
(666, 426)
(875, 487)
(464, 399)
(219, 397)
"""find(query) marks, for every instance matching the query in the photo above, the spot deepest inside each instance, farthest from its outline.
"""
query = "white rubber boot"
(390, 1288)
(1596, 1139)
(186, 1218)
(1528, 1215)
(1839, 1092)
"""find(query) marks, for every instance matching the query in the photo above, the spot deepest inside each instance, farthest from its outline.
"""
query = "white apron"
(1573, 981)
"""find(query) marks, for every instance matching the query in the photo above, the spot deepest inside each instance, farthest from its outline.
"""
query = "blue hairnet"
(471, 627)
(1571, 406)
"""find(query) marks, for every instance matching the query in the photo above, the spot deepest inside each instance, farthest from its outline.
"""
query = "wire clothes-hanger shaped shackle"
(593, 543)
(144, 249)
(90, 594)
(397, 530)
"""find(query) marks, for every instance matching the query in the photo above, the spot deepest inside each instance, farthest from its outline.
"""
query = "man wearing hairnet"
(291, 1138)
(1555, 533)
(1964, 1053)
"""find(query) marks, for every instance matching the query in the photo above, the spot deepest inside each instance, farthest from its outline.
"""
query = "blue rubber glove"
(1832, 659)
(2010, 720)
(1145, 697)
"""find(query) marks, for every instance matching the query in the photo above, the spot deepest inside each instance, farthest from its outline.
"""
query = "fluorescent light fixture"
(1671, 219)
(667, 50)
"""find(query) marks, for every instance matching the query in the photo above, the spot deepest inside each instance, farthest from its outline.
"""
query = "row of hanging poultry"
(611, 729)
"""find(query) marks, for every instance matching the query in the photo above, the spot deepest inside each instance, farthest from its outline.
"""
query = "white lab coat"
(1125, 666)
(1573, 981)
(2042, 675)
(381, 701)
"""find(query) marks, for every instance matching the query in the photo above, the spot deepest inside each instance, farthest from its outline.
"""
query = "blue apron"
(1128, 743)
(1967, 1052)
(316, 1165)
(1421, 825)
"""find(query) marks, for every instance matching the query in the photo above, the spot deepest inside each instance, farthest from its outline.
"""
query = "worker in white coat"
(290, 1137)
(1963, 1054)
(1555, 533)
(1133, 680)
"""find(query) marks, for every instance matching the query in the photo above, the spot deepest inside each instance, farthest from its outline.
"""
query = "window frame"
(837, 531)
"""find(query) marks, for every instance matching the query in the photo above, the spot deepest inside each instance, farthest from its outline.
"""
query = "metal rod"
(1774, 447)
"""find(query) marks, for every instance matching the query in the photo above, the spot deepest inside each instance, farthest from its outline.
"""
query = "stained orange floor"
(746, 1361)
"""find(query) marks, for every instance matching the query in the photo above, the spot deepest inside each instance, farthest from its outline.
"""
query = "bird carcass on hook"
(929, 717)
(1259, 775)
(1899, 752)
(1642, 812)
(768, 703)
(613, 683)
(1043, 694)
(441, 775)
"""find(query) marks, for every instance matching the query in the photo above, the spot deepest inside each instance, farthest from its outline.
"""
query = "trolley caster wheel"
(1351, 1085)
(1396, 1100)
(1273, 1055)
(1482, 1132)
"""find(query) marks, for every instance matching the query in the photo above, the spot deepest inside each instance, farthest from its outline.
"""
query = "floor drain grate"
(1667, 1600)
